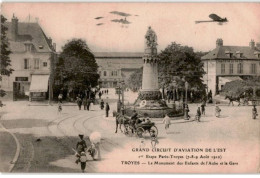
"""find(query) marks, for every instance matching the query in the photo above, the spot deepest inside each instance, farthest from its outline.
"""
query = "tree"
(181, 63)
(76, 70)
(5, 52)
(134, 82)
(237, 88)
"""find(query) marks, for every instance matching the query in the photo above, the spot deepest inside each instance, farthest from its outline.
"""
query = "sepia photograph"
(121, 87)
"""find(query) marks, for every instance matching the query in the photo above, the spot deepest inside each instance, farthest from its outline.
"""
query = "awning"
(228, 79)
(39, 83)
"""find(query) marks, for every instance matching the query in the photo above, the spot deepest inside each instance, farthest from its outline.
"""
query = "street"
(46, 138)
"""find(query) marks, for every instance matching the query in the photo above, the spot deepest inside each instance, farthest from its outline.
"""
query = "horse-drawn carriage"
(147, 128)
(131, 128)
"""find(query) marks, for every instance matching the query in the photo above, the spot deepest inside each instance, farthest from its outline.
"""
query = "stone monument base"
(151, 102)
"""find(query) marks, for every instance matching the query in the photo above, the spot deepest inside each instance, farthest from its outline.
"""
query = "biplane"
(215, 18)
(123, 21)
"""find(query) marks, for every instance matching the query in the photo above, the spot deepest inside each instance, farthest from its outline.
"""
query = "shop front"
(39, 87)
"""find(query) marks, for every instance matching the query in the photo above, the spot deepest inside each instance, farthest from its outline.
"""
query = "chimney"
(50, 41)
(219, 42)
(14, 28)
(258, 46)
(252, 44)
(54, 46)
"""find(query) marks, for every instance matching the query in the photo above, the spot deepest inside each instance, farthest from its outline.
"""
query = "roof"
(220, 53)
(28, 32)
(118, 54)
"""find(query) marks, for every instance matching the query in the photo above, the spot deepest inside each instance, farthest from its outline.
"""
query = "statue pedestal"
(151, 102)
(150, 98)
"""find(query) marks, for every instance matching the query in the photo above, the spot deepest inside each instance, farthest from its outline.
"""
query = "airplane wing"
(125, 22)
(97, 18)
(202, 21)
(115, 20)
(120, 13)
(215, 17)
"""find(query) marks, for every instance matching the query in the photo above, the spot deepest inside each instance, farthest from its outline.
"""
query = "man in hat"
(80, 147)
(198, 115)
(107, 109)
(79, 101)
(203, 108)
(254, 112)
(102, 103)
(187, 110)
(217, 111)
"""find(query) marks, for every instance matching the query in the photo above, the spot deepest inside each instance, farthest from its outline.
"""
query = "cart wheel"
(139, 132)
(153, 130)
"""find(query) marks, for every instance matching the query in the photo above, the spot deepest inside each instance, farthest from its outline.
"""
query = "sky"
(172, 22)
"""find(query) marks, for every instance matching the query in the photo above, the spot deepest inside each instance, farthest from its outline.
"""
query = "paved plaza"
(46, 138)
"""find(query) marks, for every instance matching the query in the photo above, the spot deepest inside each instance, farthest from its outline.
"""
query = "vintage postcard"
(130, 88)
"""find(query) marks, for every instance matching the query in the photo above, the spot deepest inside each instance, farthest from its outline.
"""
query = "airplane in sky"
(215, 18)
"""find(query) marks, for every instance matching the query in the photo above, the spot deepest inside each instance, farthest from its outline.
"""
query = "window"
(26, 63)
(105, 73)
(222, 68)
(114, 73)
(231, 68)
(240, 68)
(253, 68)
(28, 47)
(45, 64)
(36, 63)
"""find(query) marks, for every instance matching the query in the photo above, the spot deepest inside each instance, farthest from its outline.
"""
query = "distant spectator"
(217, 111)
(85, 102)
(88, 104)
(79, 102)
(198, 115)
(254, 112)
(59, 108)
(203, 109)
(167, 122)
(60, 98)
(107, 109)
(100, 94)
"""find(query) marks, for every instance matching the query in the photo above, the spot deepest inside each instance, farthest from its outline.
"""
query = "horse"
(231, 99)
(119, 121)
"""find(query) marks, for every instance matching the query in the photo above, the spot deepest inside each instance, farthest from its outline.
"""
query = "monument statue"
(151, 38)
(150, 98)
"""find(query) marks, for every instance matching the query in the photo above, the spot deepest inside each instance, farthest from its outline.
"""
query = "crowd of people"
(88, 100)
(201, 110)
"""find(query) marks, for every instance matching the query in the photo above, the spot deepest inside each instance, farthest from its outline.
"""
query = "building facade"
(115, 67)
(228, 63)
(32, 58)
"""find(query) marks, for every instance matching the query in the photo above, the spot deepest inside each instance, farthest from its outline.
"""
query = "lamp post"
(118, 91)
(174, 84)
(123, 89)
(186, 92)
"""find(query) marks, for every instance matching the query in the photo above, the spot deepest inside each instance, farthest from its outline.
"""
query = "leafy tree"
(181, 63)
(76, 69)
(135, 80)
(5, 52)
(238, 87)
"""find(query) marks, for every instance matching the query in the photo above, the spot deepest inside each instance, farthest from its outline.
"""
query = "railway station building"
(227, 63)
